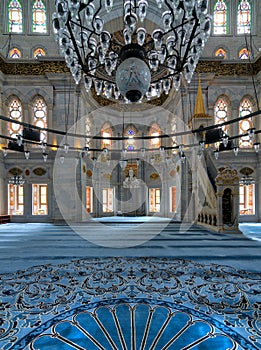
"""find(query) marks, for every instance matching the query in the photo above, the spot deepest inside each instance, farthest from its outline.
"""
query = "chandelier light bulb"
(162, 151)
(43, 146)
(5, 152)
(66, 147)
(257, 146)
(225, 140)
(251, 133)
(27, 154)
(62, 158)
(202, 145)
(19, 140)
(180, 31)
(235, 149)
(45, 156)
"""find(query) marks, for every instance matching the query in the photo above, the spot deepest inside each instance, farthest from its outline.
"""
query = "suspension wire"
(181, 133)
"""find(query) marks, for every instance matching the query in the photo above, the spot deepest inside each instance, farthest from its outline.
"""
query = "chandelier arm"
(192, 36)
(81, 35)
(74, 43)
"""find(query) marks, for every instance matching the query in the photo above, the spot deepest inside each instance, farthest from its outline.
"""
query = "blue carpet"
(130, 303)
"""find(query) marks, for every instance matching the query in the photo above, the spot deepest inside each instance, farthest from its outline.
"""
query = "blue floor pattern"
(130, 303)
(197, 290)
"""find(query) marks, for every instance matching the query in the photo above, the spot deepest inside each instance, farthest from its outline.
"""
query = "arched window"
(16, 113)
(106, 132)
(39, 17)
(130, 132)
(243, 17)
(220, 20)
(15, 16)
(15, 53)
(245, 108)
(221, 112)
(244, 54)
(40, 115)
(155, 131)
(39, 52)
(221, 53)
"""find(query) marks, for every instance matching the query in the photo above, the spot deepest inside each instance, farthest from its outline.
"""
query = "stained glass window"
(155, 131)
(89, 199)
(39, 17)
(15, 16)
(130, 132)
(106, 132)
(39, 52)
(220, 23)
(244, 54)
(107, 200)
(243, 17)
(40, 115)
(245, 124)
(220, 112)
(221, 53)
(40, 199)
(154, 198)
(247, 199)
(15, 199)
(15, 53)
(15, 113)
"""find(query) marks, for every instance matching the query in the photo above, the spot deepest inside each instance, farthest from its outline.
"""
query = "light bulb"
(235, 149)
(256, 146)
(66, 147)
(45, 156)
(216, 154)
(27, 154)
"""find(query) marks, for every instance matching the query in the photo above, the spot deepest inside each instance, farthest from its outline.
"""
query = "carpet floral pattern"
(130, 303)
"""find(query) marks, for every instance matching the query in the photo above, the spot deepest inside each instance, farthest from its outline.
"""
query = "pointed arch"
(15, 112)
(39, 111)
(220, 18)
(39, 17)
(221, 109)
(244, 54)
(38, 52)
(15, 53)
(155, 131)
(244, 17)
(106, 131)
(220, 52)
(15, 16)
(245, 108)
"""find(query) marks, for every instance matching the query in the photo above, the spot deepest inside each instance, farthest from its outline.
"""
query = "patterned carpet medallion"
(127, 303)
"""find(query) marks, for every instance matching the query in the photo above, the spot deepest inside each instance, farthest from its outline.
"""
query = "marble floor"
(175, 287)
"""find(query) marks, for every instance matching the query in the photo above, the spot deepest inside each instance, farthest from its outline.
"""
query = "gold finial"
(199, 107)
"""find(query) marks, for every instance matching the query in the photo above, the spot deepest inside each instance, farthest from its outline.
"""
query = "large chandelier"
(158, 42)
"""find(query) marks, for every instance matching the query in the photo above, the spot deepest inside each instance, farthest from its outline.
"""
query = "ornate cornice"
(32, 68)
(223, 68)
(220, 68)
(17, 67)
